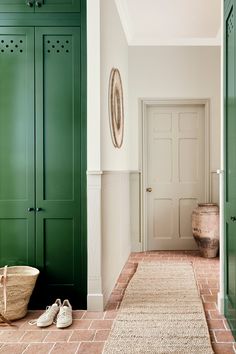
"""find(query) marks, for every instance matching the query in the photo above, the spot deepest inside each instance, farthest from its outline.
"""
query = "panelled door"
(40, 158)
(175, 174)
(230, 166)
(58, 154)
(17, 189)
(39, 5)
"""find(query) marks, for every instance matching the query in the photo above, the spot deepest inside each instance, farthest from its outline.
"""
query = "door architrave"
(144, 103)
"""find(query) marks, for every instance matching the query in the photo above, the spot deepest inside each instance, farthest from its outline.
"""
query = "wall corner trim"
(95, 302)
(95, 296)
(220, 303)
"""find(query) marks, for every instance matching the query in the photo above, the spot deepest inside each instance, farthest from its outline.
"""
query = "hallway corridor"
(89, 330)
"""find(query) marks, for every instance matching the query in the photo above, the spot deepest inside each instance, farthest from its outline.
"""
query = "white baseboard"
(221, 302)
(95, 302)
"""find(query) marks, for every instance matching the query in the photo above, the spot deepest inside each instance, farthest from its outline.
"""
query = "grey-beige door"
(176, 174)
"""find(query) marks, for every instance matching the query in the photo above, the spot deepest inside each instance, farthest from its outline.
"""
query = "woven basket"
(15, 290)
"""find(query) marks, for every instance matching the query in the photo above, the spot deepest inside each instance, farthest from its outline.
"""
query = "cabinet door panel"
(15, 6)
(230, 168)
(16, 145)
(58, 172)
(58, 6)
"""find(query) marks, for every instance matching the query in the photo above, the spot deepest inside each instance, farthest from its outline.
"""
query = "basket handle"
(3, 281)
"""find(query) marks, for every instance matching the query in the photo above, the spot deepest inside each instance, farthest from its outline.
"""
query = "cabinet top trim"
(36, 19)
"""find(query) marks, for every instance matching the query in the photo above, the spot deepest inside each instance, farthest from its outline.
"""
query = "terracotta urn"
(205, 228)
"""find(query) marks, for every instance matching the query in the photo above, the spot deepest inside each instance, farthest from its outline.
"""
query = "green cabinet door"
(17, 241)
(60, 254)
(57, 5)
(230, 166)
(16, 5)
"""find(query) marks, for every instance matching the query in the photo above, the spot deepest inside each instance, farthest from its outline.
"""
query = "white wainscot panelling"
(135, 211)
(116, 240)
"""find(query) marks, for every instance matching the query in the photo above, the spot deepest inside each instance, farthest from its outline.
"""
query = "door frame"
(144, 103)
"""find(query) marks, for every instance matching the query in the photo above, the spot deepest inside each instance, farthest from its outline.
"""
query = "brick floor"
(90, 330)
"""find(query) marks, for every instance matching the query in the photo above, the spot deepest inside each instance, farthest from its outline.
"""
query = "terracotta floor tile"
(11, 336)
(13, 348)
(82, 335)
(209, 298)
(101, 324)
(226, 325)
(65, 348)
(214, 314)
(28, 327)
(102, 334)
(58, 336)
(223, 348)
(205, 292)
(111, 315)
(80, 324)
(90, 329)
(34, 336)
(216, 324)
(93, 315)
(6, 327)
(210, 306)
(224, 336)
(39, 348)
(112, 306)
(91, 348)
(78, 314)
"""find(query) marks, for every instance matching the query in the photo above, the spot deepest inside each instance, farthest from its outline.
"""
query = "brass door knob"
(149, 189)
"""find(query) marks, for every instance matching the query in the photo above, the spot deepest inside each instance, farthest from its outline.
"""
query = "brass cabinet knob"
(149, 189)
(38, 3)
(29, 3)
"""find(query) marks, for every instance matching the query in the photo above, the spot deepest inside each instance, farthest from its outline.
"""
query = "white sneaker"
(64, 318)
(47, 318)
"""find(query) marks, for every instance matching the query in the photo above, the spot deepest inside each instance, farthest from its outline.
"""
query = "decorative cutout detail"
(11, 45)
(57, 45)
(116, 108)
(230, 24)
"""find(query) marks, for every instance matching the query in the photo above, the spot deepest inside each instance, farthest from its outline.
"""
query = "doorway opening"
(175, 170)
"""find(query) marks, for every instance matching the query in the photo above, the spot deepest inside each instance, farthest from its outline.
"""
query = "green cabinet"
(41, 158)
(17, 183)
(230, 163)
(39, 6)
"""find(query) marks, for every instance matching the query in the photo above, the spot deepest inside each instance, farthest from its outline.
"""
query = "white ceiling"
(171, 22)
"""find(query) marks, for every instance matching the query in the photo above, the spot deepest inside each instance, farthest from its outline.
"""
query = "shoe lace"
(45, 314)
(64, 312)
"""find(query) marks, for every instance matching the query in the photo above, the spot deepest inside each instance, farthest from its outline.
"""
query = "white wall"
(116, 228)
(115, 162)
(175, 72)
(114, 53)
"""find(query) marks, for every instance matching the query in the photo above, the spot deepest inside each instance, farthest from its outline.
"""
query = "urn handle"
(233, 218)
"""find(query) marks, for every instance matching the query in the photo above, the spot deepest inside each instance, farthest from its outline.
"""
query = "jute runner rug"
(161, 313)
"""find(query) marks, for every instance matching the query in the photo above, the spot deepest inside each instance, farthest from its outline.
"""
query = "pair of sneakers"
(58, 313)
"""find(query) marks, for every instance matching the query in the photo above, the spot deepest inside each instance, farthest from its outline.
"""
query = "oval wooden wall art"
(116, 108)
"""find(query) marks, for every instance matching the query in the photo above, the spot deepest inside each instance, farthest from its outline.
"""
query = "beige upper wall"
(115, 183)
(175, 72)
(114, 53)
